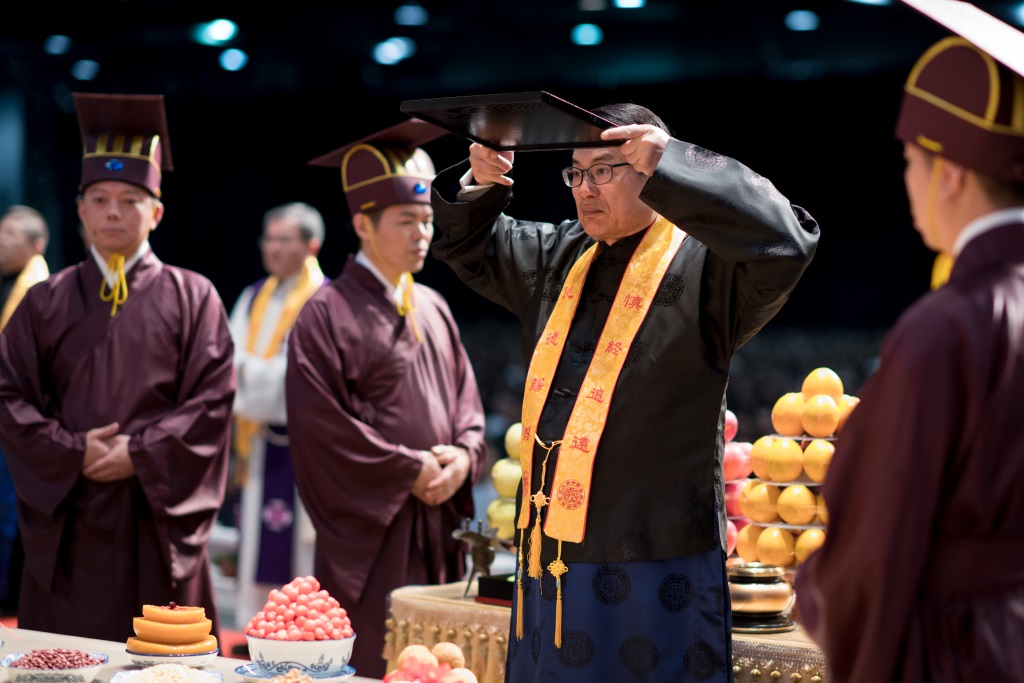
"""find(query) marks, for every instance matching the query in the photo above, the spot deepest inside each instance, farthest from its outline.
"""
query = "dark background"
(814, 112)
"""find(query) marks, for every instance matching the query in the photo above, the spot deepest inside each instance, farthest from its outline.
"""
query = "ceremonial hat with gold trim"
(125, 138)
(387, 167)
(964, 98)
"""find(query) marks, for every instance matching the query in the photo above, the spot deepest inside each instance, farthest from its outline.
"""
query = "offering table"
(428, 614)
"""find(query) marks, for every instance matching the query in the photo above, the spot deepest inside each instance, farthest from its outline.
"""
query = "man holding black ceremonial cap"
(386, 423)
(631, 313)
(116, 383)
(920, 577)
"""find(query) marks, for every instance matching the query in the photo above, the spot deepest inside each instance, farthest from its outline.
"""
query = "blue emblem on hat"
(114, 165)
(419, 188)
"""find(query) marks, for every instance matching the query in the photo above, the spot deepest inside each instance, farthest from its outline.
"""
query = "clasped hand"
(106, 455)
(445, 469)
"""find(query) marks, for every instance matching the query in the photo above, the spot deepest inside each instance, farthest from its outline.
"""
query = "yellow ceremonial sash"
(35, 271)
(309, 280)
(119, 290)
(567, 515)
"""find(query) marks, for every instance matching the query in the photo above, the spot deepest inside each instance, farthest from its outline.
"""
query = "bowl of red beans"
(301, 627)
(53, 665)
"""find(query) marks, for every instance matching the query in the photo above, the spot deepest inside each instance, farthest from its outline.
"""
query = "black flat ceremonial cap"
(964, 98)
(124, 138)
(515, 121)
(385, 168)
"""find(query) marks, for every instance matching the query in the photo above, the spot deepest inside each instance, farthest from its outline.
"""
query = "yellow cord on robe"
(943, 264)
(119, 291)
(309, 279)
(408, 306)
(539, 500)
(942, 267)
(519, 589)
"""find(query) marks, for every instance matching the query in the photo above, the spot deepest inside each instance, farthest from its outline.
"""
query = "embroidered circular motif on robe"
(570, 494)
(704, 159)
(639, 655)
(277, 515)
(699, 661)
(549, 586)
(577, 649)
(611, 585)
(767, 189)
(675, 593)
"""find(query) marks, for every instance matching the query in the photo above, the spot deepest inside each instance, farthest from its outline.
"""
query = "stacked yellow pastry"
(172, 630)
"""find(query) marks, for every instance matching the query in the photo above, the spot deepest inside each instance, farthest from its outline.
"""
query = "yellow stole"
(34, 271)
(309, 280)
(567, 516)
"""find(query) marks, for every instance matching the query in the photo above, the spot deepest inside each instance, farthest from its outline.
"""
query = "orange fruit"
(817, 458)
(846, 405)
(820, 416)
(806, 543)
(762, 503)
(822, 510)
(759, 453)
(784, 460)
(822, 381)
(775, 546)
(742, 496)
(797, 505)
(513, 435)
(786, 414)
(746, 542)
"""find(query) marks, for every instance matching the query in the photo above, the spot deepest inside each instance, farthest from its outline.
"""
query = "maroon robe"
(363, 397)
(920, 577)
(161, 368)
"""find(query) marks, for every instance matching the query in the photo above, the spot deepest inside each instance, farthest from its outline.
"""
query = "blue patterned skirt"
(627, 621)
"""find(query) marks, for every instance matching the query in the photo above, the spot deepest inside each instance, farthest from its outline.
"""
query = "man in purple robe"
(385, 419)
(920, 578)
(116, 383)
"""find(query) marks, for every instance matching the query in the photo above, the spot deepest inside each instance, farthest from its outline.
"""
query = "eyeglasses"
(599, 174)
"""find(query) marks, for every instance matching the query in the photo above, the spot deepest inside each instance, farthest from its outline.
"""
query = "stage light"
(629, 4)
(802, 20)
(233, 59)
(587, 34)
(57, 45)
(394, 50)
(85, 69)
(216, 32)
(880, 3)
(411, 14)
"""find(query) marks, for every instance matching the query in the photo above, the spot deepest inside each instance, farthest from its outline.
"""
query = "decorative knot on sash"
(118, 293)
(565, 511)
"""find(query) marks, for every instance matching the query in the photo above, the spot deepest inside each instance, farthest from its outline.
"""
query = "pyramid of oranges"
(788, 515)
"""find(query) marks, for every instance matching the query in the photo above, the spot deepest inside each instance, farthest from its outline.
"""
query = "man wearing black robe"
(645, 593)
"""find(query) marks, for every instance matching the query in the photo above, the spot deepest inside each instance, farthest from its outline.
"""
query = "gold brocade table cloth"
(429, 614)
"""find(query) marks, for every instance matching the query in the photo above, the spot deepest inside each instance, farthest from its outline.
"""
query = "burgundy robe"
(363, 396)
(920, 577)
(161, 368)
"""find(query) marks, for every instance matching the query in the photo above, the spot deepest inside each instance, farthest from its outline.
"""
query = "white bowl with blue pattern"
(82, 674)
(316, 658)
(196, 661)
